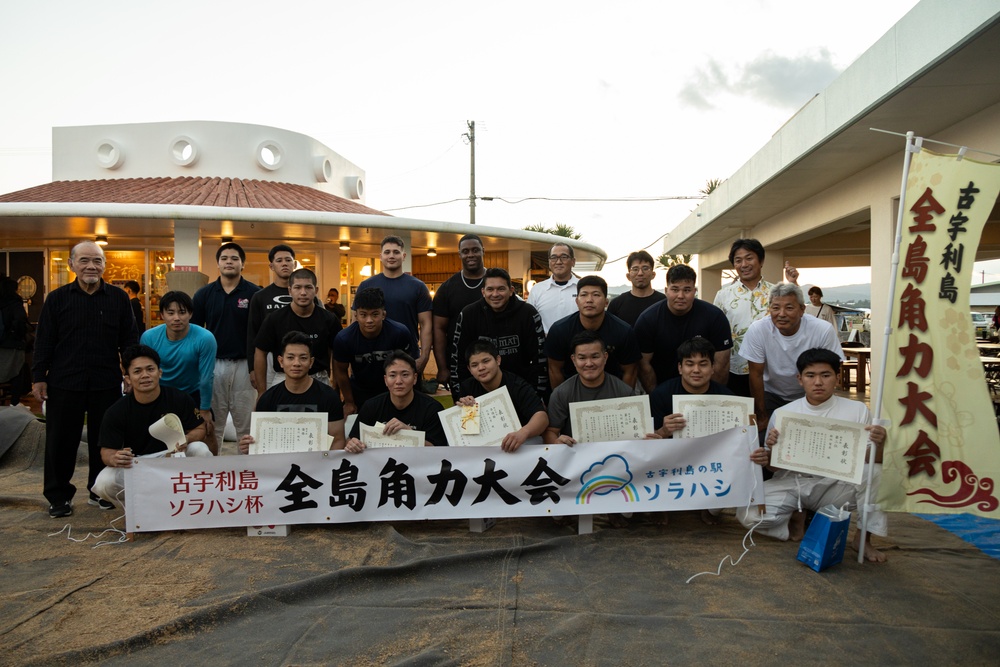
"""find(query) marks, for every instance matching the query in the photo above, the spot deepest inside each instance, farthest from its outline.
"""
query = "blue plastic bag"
(824, 542)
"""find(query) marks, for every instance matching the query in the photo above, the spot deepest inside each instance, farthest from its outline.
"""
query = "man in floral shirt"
(744, 301)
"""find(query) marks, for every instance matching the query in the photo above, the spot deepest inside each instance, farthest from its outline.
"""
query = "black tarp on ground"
(526, 592)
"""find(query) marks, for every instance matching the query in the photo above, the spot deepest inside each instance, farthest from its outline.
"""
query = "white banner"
(396, 484)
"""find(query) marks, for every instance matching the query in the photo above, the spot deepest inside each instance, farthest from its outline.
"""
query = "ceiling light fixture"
(345, 245)
(227, 239)
(432, 252)
(101, 240)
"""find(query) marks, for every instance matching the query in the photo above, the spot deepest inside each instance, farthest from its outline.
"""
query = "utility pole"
(471, 136)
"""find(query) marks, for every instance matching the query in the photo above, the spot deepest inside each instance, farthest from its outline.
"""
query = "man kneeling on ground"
(300, 392)
(401, 408)
(125, 431)
(787, 491)
(483, 360)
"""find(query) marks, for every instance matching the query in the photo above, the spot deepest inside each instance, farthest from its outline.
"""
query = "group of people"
(235, 347)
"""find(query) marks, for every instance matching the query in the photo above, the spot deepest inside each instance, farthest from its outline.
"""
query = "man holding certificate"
(822, 424)
(590, 383)
(484, 365)
(300, 392)
(695, 363)
(125, 432)
(401, 409)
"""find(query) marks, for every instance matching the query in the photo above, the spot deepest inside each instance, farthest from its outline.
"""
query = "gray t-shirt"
(573, 391)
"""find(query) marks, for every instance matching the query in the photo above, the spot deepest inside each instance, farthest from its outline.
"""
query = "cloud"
(614, 467)
(773, 79)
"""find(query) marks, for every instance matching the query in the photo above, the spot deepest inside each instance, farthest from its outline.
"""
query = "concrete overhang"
(939, 65)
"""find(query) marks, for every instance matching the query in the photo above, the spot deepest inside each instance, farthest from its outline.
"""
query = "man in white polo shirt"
(555, 298)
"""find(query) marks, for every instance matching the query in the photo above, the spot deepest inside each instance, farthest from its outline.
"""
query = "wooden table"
(862, 353)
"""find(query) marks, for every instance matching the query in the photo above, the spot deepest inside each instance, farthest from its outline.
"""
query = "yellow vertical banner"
(943, 450)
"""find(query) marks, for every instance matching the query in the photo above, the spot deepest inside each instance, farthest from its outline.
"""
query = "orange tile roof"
(191, 191)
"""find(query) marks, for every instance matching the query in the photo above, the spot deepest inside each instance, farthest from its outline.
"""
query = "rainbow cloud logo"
(608, 476)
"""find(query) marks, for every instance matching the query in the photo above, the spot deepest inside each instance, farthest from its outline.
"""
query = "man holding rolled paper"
(125, 433)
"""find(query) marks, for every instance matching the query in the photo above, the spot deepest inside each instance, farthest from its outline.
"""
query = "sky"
(572, 100)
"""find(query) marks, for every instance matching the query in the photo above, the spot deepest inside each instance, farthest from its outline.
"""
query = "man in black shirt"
(281, 259)
(513, 326)
(622, 347)
(454, 294)
(82, 330)
(630, 305)
(299, 392)
(223, 307)
(133, 290)
(125, 433)
(401, 408)
(695, 363)
(484, 364)
(303, 314)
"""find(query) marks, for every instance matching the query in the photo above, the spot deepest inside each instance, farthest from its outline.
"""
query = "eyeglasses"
(559, 258)
(640, 269)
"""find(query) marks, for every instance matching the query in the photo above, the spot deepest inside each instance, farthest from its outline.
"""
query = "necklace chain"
(467, 285)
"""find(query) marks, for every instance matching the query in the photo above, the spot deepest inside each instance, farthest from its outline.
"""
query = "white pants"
(110, 482)
(788, 493)
(232, 394)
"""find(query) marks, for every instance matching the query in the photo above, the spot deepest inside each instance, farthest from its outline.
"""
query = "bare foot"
(709, 519)
(659, 518)
(617, 521)
(797, 526)
(871, 553)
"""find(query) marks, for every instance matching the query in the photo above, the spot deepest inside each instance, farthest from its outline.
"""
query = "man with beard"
(460, 290)
(512, 325)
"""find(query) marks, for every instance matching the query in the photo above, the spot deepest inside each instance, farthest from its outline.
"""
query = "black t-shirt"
(451, 297)
(367, 356)
(321, 327)
(317, 398)
(660, 332)
(421, 413)
(616, 334)
(661, 400)
(629, 307)
(127, 422)
(522, 395)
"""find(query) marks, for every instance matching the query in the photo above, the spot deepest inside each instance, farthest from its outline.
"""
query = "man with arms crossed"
(554, 298)
(484, 364)
(818, 374)
(125, 432)
(223, 307)
(630, 305)
(663, 327)
(407, 300)
(462, 289)
(83, 328)
(401, 408)
(363, 348)
(299, 392)
(187, 354)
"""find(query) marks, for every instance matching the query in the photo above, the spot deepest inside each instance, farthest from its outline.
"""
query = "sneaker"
(101, 503)
(61, 510)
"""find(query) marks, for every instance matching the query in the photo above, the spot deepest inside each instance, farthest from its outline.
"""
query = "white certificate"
(497, 418)
(611, 419)
(828, 447)
(169, 430)
(287, 432)
(706, 414)
(372, 436)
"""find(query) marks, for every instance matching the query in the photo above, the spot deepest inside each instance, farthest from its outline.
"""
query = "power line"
(440, 203)
(569, 199)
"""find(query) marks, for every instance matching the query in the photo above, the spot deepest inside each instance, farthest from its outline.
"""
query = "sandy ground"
(526, 592)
